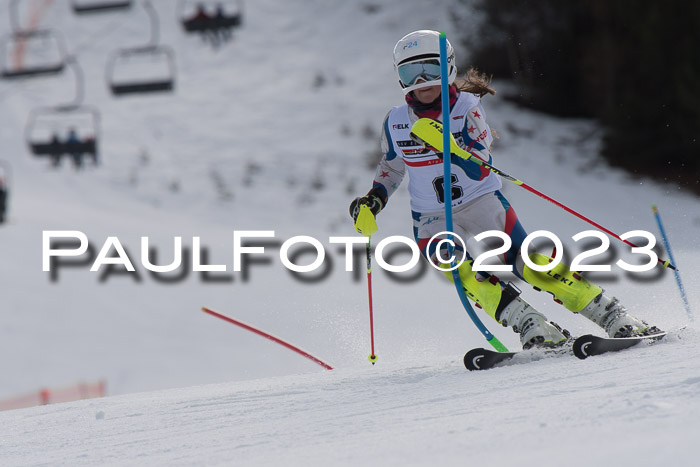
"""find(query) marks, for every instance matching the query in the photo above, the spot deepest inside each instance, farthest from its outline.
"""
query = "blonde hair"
(475, 82)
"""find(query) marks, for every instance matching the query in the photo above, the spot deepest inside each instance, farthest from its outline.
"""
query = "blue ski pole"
(667, 245)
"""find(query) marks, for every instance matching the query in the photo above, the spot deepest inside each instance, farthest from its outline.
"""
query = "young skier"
(477, 203)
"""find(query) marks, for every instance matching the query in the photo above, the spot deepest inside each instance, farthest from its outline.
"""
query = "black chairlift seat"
(144, 87)
(49, 148)
(46, 39)
(161, 56)
(208, 24)
(34, 71)
(94, 6)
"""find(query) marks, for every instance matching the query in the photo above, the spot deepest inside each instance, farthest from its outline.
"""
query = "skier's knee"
(568, 287)
(485, 290)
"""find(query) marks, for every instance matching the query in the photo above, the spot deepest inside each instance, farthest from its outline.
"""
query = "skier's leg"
(503, 303)
(484, 290)
(499, 300)
(578, 295)
(569, 288)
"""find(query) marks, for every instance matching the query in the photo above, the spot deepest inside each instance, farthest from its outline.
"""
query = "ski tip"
(472, 359)
(589, 345)
(580, 346)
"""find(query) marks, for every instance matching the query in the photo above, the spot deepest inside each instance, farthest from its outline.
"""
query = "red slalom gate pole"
(266, 335)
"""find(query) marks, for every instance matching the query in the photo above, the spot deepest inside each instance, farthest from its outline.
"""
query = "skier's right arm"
(390, 172)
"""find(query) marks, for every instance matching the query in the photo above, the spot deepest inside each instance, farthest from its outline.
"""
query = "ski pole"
(372, 356)
(667, 245)
(429, 132)
(366, 224)
(266, 335)
(447, 190)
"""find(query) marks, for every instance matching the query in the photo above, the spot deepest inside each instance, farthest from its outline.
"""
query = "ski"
(583, 347)
(483, 359)
(590, 345)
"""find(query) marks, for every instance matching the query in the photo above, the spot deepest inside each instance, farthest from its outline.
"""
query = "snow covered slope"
(635, 408)
(273, 132)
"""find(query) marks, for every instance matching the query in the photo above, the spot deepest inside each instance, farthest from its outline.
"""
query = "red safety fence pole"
(47, 396)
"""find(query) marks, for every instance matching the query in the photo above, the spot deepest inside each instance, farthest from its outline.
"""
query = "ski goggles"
(428, 70)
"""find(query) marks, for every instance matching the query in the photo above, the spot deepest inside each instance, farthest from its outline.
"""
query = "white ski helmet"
(417, 55)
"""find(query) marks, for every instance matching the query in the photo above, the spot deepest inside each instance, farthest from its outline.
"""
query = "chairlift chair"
(30, 54)
(141, 70)
(230, 16)
(48, 129)
(81, 7)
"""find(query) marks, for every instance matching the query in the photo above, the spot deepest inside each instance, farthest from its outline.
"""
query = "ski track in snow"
(236, 147)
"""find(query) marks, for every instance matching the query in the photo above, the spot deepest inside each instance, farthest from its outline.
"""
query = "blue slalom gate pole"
(447, 188)
(667, 245)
